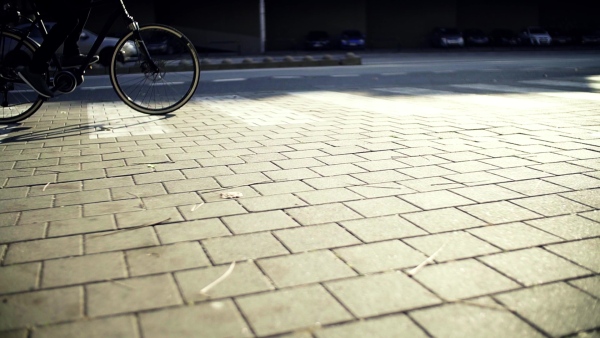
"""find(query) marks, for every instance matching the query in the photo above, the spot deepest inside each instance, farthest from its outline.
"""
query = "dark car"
(352, 39)
(504, 37)
(316, 40)
(475, 37)
(560, 37)
(446, 37)
(591, 37)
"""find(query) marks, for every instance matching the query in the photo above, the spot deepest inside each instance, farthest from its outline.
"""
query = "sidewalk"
(114, 223)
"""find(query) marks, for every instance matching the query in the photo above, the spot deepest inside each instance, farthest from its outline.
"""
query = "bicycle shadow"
(24, 133)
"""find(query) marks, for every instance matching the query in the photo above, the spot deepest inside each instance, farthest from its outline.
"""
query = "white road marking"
(286, 77)
(230, 80)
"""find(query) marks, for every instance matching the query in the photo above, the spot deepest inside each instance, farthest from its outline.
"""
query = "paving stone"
(245, 278)
(281, 187)
(83, 269)
(534, 266)
(436, 199)
(575, 181)
(472, 320)
(431, 184)
(593, 215)
(325, 213)
(584, 252)
(519, 173)
(271, 202)
(52, 214)
(568, 227)
(561, 168)
(381, 176)
(380, 256)
(379, 294)
(171, 200)
(192, 184)
(476, 178)
(16, 334)
(456, 245)
(499, 212)
(305, 268)
(241, 179)
(381, 206)
(534, 187)
(207, 172)
(9, 234)
(487, 193)
(179, 256)
(131, 295)
(81, 225)
(588, 197)
(373, 328)
(328, 196)
(147, 217)
(381, 190)
(551, 205)
(382, 228)
(43, 249)
(9, 219)
(120, 326)
(558, 309)
(514, 236)
(40, 307)
(211, 209)
(259, 221)
(463, 279)
(242, 247)
(339, 181)
(442, 220)
(216, 195)
(81, 175)
(191, 231)
(155, 177)
(291, 309)
(590, 285)
(30, 203)
(120, 240)
(216, 319)
(315, 237)
(19, 277)
(426, 171)
(297, 163)
(30, 180)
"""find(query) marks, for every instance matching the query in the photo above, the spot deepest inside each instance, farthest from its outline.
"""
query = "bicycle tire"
(17, 100)
(161, 92)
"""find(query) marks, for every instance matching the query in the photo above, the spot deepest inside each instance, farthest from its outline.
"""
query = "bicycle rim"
(17, 100)
(162, 90)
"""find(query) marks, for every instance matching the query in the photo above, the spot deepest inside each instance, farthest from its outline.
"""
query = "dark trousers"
(70, 17)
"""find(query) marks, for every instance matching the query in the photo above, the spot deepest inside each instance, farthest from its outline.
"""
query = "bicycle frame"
(121, 10)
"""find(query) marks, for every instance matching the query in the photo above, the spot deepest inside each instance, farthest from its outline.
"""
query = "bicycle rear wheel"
(165, 88)
(17, 100)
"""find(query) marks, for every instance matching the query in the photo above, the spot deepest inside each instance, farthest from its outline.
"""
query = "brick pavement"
(111, 222)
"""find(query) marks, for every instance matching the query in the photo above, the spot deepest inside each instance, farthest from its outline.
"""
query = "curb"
(350, 59)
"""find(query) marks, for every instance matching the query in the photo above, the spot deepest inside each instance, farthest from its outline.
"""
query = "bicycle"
(147, 78)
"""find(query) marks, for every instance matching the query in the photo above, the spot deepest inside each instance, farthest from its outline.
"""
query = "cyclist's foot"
(75, 61)
(36, 81)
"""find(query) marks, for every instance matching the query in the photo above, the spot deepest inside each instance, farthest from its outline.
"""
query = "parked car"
(560, 37)
(504, 37)
(352, 39)
(317, 40)
(591, 37)
(446, 37)
(475, 37)
(86, 40)
(535, 36)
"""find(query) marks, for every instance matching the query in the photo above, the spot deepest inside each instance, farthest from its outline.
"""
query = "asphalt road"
(427, 70)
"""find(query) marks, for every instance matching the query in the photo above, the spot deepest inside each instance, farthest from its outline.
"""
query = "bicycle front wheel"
(161, 84)
(17, 100)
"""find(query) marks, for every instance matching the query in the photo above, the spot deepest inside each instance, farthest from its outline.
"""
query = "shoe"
(36, 81)
(77, 60)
